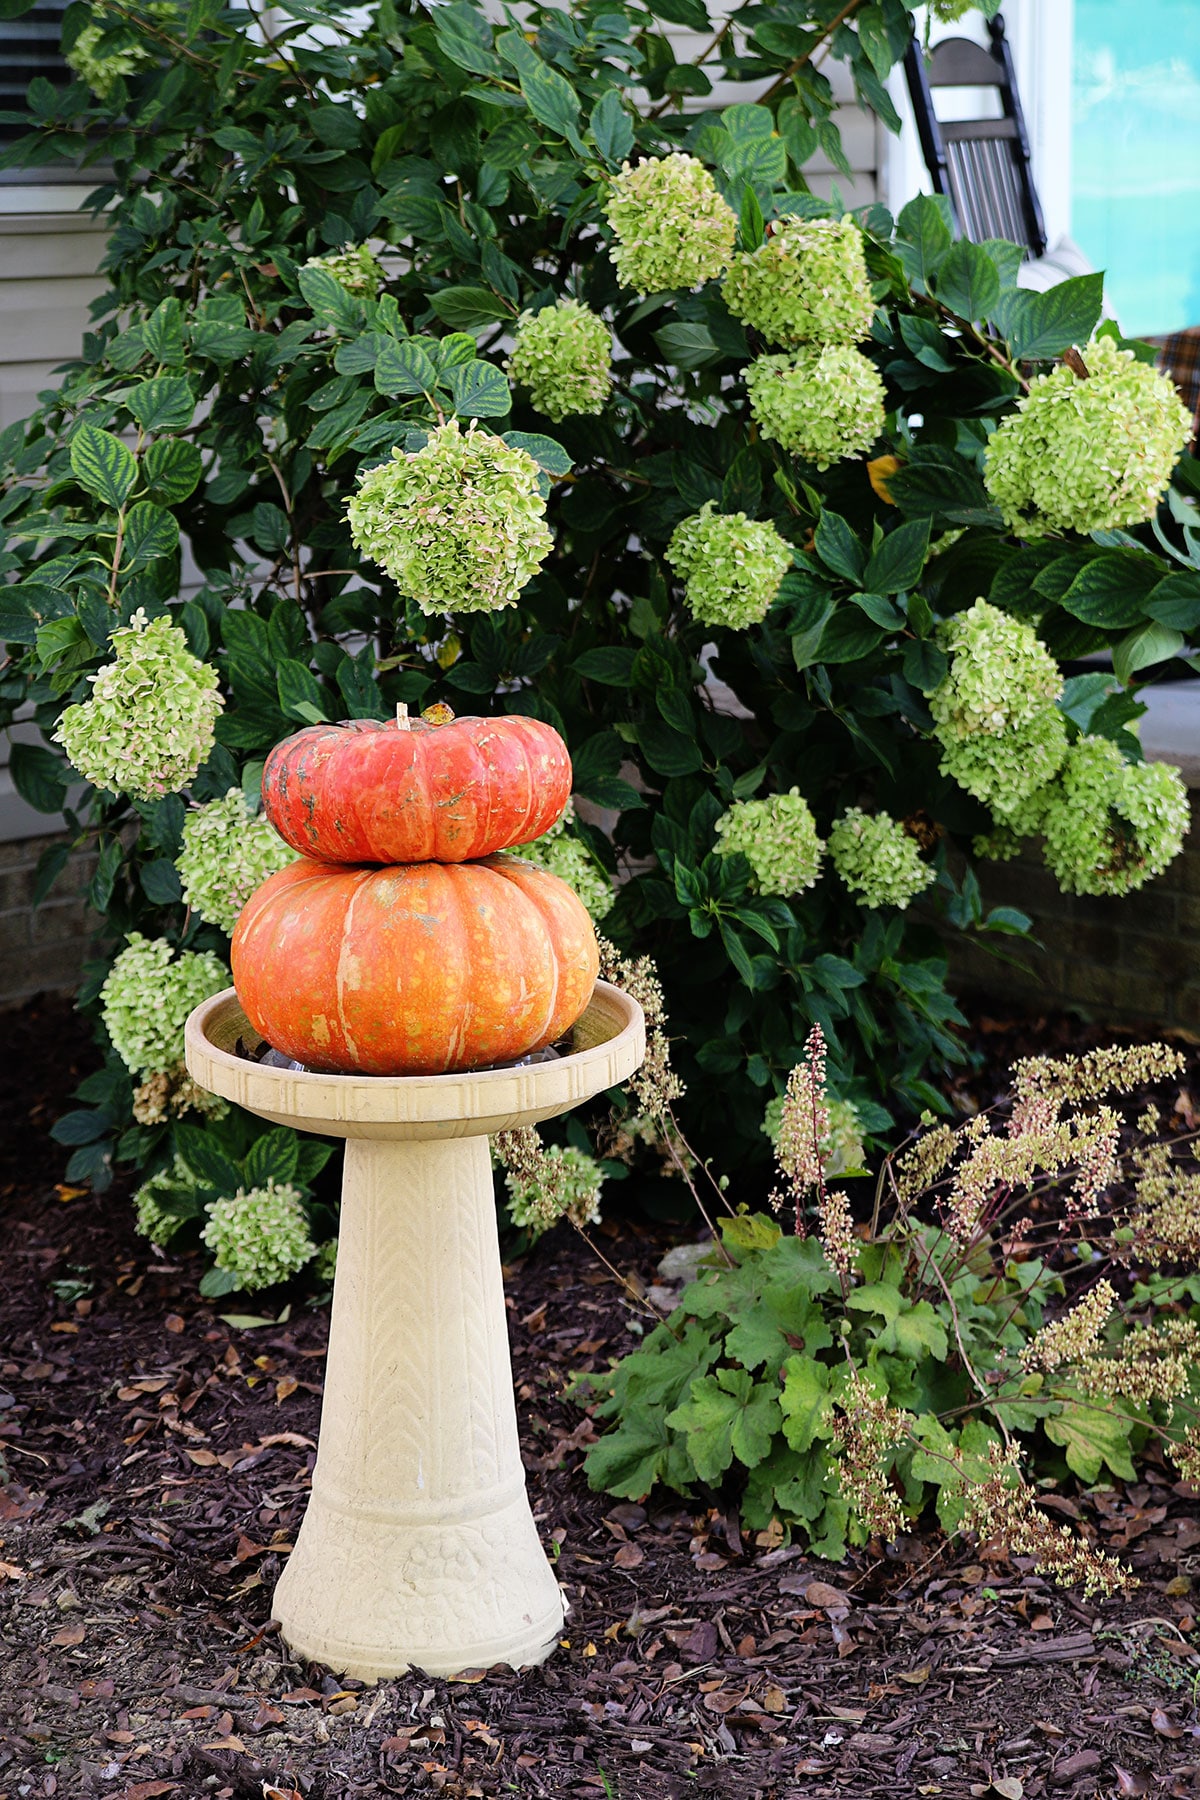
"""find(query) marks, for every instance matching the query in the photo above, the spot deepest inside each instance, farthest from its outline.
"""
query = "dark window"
(29, 46)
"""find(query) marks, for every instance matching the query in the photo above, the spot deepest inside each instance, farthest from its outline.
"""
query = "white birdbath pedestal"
(418, 1548)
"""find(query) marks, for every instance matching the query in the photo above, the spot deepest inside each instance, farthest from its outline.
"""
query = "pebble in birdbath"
(411, 1006)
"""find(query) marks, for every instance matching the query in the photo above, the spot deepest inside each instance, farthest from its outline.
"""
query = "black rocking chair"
(982, 165)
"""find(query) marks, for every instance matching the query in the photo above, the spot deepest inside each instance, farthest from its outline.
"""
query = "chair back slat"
(981, 165)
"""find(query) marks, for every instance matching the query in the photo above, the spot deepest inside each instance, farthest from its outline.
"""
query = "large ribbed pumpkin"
(413, 970)
(410, 791)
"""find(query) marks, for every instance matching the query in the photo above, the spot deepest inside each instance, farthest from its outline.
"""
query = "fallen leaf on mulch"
(1082, 1763)
(70, 1635)
(1165, 1725)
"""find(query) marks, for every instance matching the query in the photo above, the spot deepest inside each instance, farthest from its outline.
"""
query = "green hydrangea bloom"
(102, 68)
(578, 1179)
(778, 837)
(731, 566)
(1110, 826)
(261, 1235)
(1091, 454)
(147, 997)
(324, 1266)
(822, 403)
(227, 853)
(1001, 675)
(1001, 733)
(842, 1149)
(949, 12)
(1004, 770)
(459, 525)
(148, 724)
(562, 356)
(563, 854)
(807, 284)
(877, 859)
(358, 269)
(165, 1202)
(1000, 845)
(673, 229)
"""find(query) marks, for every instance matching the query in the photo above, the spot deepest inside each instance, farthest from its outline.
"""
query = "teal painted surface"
(1135, 176)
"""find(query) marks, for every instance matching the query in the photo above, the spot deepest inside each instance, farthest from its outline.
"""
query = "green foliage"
(322, 237)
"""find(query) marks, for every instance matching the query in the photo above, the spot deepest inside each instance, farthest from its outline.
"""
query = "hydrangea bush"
(356, 378)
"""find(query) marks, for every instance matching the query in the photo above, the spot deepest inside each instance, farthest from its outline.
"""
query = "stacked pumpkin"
(401, 942)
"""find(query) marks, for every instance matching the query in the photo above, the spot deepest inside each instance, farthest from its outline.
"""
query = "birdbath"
(418, 1548)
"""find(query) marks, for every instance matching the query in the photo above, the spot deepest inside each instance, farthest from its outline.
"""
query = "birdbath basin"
(418, 1548)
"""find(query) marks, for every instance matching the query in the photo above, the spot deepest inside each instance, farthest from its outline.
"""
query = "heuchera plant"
(752, 469)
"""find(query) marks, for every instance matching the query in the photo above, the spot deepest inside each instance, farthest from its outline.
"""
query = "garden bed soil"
(159, 1457)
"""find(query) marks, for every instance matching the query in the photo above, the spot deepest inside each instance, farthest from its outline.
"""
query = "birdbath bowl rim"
(609, 1044)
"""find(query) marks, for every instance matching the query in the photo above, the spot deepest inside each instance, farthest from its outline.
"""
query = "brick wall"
(1126, 961)
(44, 949)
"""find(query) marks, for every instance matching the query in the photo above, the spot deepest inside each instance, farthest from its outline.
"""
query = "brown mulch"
(158, 1465)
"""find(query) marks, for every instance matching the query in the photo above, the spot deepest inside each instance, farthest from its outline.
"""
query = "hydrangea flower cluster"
(358, 269)
(778, 837)
(168, 1093)
(102, 69)
(731, 566)
(566, 856)
(563, 357)
(877, 859)
(459, 525)
(147, 997)
(672, 228)
(324, 1266)
(841, 1144)
(824, 402)
(567, 1185)
(227, 852)
(1090, 453)
(807, 284)
(1110, 826)
(148, 724)
(262, 1236)
(156, 1215)
(995, 712)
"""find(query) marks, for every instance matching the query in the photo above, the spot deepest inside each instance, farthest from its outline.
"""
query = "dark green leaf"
(39, 776)
(668, 751)
(546, 452)
(206, 1160)
(839, 548)
(612, 664)
(150, 532)
(404, 368)
(103, 465)
(611, 128)
(925, 665)
(924, 238)
(160, 882)
(1040, 326)
(687, 344)
(300, 697)
(479, 390)
(271, 1157)
(466, 307)
(1111, 590)
(899, 560)
(165, 403)
(968, 281)
(172, 470)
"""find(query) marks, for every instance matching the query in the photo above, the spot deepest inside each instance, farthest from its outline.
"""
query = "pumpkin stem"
(403, 722)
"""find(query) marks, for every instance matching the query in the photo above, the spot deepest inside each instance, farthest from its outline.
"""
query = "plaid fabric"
(1179, 357)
